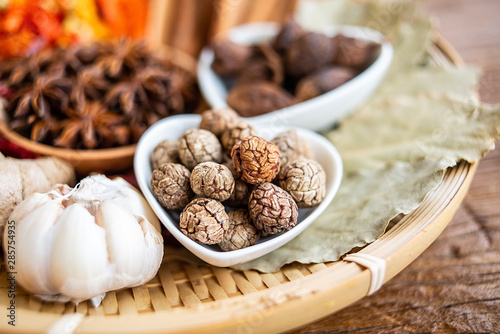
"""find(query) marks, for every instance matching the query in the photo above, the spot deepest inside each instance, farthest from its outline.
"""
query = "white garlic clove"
(28, 205)
(32, 242)
(95, 189)
(126, 245)
(154, 251)
(79, 258)
(139, 206)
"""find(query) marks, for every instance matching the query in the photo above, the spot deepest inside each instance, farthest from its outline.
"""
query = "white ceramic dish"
(172, 128)
(319, 113)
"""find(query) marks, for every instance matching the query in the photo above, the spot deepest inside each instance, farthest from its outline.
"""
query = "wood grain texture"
(454, 286)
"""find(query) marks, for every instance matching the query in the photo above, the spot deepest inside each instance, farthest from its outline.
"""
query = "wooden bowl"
(106, 160)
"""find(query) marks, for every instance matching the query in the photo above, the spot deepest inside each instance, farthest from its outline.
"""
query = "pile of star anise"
(295, 66)
(93, 96)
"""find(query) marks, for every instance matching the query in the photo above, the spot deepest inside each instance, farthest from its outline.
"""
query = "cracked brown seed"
(257, 98)
(171, 186)
(235, 134)
(241, 192)
(272, 209)
(165, 151)
(204, 220)
(229, 58)
(292, 147)
(197, 146)
(323, 81)
(256, 160)
(241, 232)
(264, 65)
(354, 52)
(287, 35)
(210, 179)
(219, 120)
(305, 181)
(309, 53)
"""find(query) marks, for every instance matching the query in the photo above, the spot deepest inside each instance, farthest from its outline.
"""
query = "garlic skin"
(77, 244)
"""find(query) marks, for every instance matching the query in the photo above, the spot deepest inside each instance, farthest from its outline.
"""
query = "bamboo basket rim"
(269, 306)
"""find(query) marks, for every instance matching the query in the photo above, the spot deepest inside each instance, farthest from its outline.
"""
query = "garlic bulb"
(77, 244)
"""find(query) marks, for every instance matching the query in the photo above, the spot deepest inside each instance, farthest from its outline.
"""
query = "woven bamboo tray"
(189, 298)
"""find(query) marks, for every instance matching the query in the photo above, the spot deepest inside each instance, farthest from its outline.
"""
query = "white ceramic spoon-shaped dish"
(172, 128)
(319, 113)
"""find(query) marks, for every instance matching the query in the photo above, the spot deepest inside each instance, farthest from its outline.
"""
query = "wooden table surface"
(454, 286)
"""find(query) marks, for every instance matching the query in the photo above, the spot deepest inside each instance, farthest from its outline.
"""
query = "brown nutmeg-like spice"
(323, 81)
(241, 232)
(290, 31)
(235, 134)
(171, 186)
(256, 160)
(309, 53)
(165, 151)
(292, 147)
(219, 120)
(241, 192)
(197, 146)
(258, 98)
(204, 220)
(354, 52)
(264, 65)
(272, 209)
(229, 58)
(305, 181)
(210, 179)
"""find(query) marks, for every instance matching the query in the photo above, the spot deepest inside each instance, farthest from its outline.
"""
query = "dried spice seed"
(305, 181)
(241, 192)
(287, 35)
(233, 135)
(197, 146)
(323, 81)
(166, 151)
(292, 147)
(264, 65)
(354, 52)
(171, 186)
(272, 209)
(229, 58)
(212, 180)
(259, 98)
(256, 160)
(241, 232)
(204, 220)
(218, 120)
(309, 53)
(239, 196)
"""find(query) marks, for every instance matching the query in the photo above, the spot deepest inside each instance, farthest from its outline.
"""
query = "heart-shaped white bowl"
(172, 128)
(319, 113)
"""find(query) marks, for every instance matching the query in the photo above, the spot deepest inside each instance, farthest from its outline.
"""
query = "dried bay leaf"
(359, 214)
(408, 128)
(461, 81)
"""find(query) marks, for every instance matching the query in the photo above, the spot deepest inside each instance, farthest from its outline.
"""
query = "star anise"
(92, 126)
(152, 90)
(20, 71)
(123, 57)
(90, 84)
(41, 97)
(37, 129)
(72, 60)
